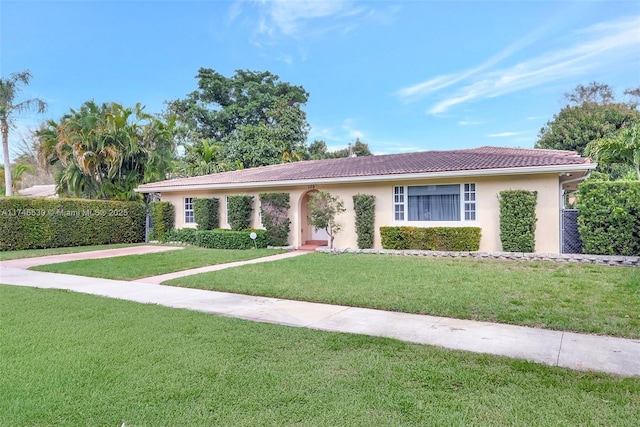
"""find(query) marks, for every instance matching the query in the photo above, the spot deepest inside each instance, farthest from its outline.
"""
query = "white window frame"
(226, 212)
(399, 205)
(189, 215)
(470, 202)
(468, 206)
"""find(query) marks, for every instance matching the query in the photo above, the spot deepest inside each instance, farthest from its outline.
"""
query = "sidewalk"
(556, 348)
(105, 253)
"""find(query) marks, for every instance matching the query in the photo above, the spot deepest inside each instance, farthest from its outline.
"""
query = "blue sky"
(400, 75)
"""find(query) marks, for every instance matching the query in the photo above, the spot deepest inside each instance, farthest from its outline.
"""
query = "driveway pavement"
(555, 348)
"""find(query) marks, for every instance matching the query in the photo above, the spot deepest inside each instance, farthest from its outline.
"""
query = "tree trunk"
(7, 163)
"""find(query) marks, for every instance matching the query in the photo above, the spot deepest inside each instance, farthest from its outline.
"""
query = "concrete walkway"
(576, 351)
(164, 277)
(105, 253)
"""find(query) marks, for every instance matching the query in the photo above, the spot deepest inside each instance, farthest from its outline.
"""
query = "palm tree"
(9, 88)
(622, 147)
(107, 150)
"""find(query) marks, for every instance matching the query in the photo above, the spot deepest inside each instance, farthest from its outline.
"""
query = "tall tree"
(253, 117)
(9, 89)
(591, 114)
(107, 150)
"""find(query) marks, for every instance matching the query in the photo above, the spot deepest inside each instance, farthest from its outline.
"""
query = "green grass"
(74, 359)
(32, 253)
(132, 267)
(582, 298)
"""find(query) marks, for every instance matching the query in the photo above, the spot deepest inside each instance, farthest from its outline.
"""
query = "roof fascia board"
(378, 178)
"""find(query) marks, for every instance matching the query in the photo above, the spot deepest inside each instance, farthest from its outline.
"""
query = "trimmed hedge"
(518, 220)
(364, 206)
(275, 217)
(163, 217)
(230, 239)
(205, 213)
(184, 235)
(609, 218)
(455, 239)
(32, 223)
(239, 210)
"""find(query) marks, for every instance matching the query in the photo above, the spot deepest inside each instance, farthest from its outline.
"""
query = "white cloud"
(597, 47)
(301, 17)
(503, 134)
(468, 123)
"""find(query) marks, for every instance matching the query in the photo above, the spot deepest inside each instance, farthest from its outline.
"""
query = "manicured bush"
(518, 220)
(455, 239)
(184, 235)
(31, 223)
(275, 217)
(163, 217)
(364, 206)
(609, 218)
(239, 208)
(205, 213)
(230, 239)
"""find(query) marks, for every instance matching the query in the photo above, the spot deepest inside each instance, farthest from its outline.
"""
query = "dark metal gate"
(570, 238)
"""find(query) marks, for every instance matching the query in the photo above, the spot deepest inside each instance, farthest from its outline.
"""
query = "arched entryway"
(308, 235)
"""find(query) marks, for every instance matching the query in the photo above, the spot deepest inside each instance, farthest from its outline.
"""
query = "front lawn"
(582, 298)
(133, 267)
(75, 359)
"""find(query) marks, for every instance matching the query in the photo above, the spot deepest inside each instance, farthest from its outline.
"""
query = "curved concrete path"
(556, 348)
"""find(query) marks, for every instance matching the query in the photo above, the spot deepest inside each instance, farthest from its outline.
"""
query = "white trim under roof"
(582, 167)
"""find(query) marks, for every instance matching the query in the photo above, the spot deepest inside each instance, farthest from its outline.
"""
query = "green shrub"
(239, 210)
(275, 217)
(230, 239)
(518, 220)
(184, 235)
(364, 206)
(609, 218)
(31, 223)
(205, 213)
(431, 238)
(163, 217)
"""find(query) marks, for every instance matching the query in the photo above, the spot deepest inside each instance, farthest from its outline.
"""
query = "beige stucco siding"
(488, 215)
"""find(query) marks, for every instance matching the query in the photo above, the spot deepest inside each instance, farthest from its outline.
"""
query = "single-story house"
(425, 189)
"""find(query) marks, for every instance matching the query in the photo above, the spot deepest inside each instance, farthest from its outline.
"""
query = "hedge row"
(518, 220)
(609, 219)
(33, 223)
(275, 217)
(364, 206)
(219, 238)
(163, 218)
(239, 208)
(431, 238)
(205, 213)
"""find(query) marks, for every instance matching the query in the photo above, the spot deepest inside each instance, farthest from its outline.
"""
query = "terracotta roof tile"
(389, 164)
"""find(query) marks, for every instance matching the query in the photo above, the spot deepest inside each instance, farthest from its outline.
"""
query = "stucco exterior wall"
(488, 210)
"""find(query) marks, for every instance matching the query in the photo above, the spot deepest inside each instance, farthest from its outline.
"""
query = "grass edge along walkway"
(76, 359)
(607, 354)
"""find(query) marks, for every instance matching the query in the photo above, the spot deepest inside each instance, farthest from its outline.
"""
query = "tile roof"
(390, 164)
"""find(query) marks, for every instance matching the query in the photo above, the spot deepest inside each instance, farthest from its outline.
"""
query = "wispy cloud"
(287, 18)
(601, 45)
(469, 123)
(503, 134)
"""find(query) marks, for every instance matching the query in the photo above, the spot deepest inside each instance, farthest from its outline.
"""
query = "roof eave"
(377, 178)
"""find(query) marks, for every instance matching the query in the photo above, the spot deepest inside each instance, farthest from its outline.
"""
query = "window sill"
(436, 223)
